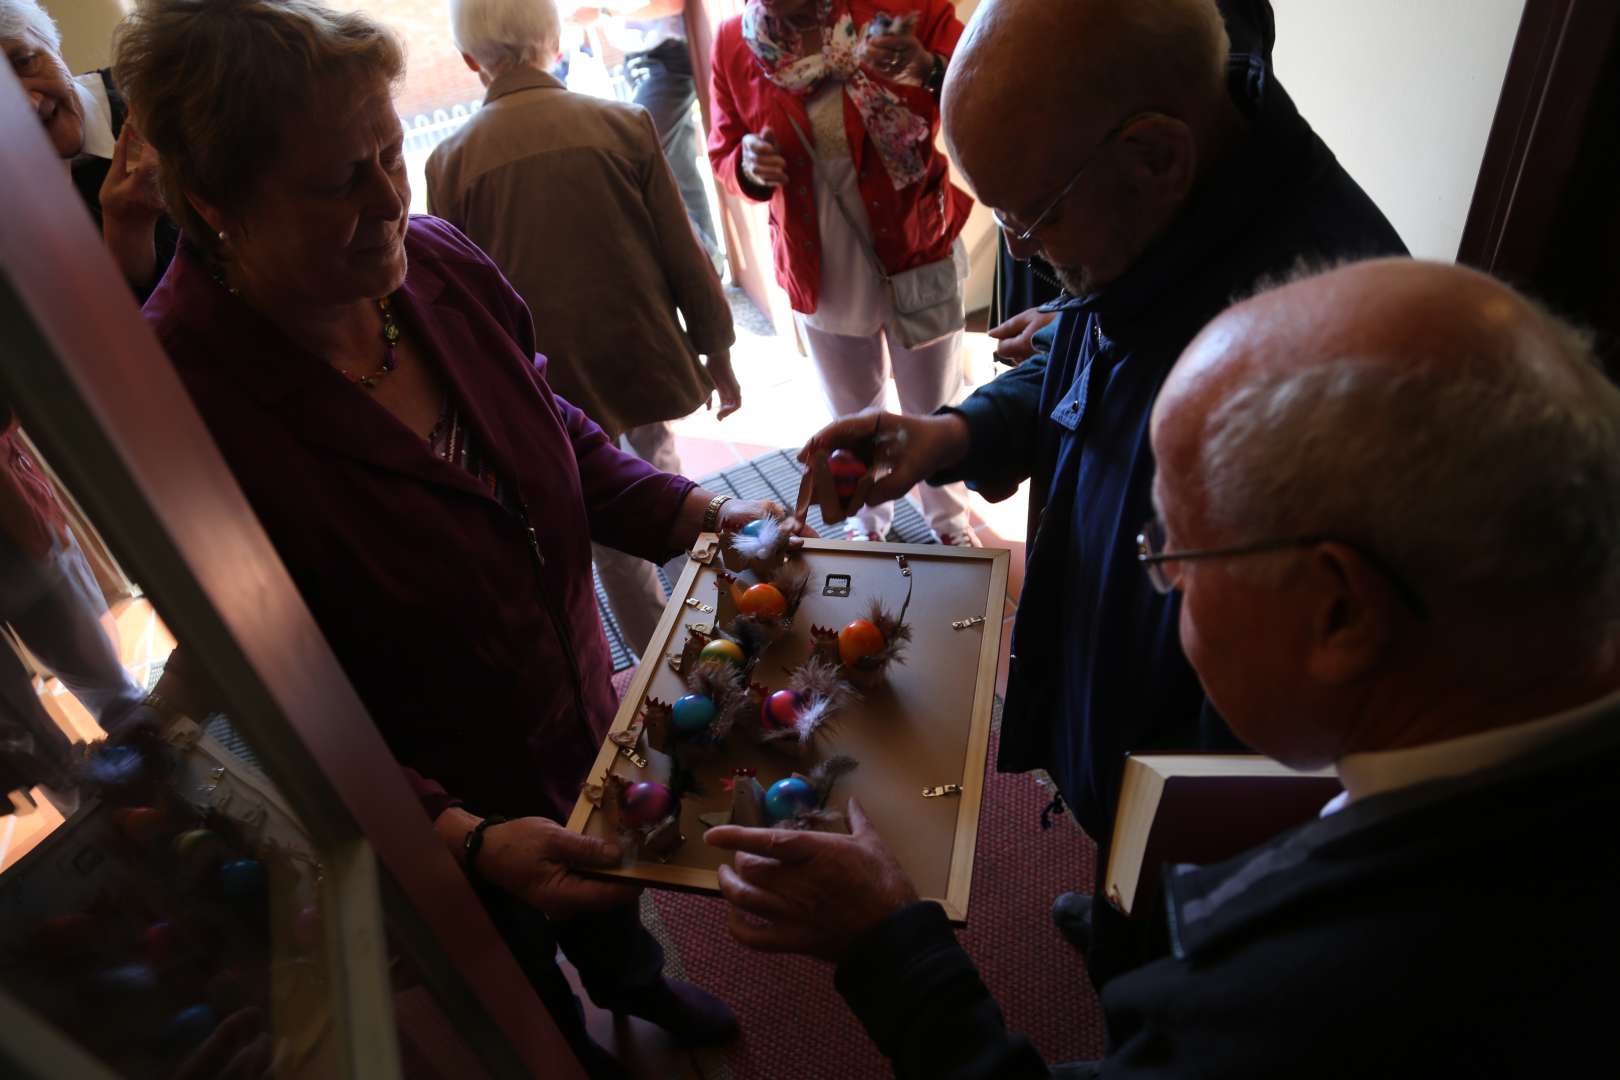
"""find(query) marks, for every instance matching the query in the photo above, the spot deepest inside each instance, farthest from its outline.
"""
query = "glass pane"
(162, 904)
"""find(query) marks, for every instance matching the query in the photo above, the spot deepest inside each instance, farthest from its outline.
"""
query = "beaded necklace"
(390, 336)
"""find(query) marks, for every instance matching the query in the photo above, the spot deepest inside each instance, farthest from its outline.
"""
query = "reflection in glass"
(162, 905)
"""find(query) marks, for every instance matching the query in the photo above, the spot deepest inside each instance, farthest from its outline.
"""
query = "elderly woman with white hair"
(88, 124)
(573, 199)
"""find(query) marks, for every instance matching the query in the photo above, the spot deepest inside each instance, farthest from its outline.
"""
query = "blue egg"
(694, 712)
(242, 879)
(115, 765)
(128, 979)
(190, 1026)
(789, 797)
(752, 528)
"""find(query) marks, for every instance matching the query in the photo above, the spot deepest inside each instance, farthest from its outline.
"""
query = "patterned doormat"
(770, 476)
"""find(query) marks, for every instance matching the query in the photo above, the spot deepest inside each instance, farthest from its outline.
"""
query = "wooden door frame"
(1535, 140)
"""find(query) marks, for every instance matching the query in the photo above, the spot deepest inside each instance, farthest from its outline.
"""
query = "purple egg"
(647, 803)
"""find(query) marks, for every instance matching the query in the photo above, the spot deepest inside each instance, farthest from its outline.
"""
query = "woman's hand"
(131, 206)
(739, 512)
(534, 860)
(718, 365)
(762, 163)
(899, 57)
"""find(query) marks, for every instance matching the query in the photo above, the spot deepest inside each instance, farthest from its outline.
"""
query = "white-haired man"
(1145, 149)
(87, 122)
(573, 199)
(1390, 498)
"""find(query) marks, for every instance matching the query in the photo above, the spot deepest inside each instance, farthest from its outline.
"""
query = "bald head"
(1425, 411)
(1028, 72)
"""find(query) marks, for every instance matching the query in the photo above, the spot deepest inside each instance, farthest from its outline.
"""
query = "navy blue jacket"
(1462, 927)
(1097, 667)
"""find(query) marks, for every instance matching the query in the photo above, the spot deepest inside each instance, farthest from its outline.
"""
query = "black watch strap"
(474, 843)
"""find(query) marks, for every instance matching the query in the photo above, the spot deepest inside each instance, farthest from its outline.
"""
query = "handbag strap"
(877, 264)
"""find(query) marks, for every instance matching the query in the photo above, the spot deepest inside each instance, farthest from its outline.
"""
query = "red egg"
(647, 803)
(781, 710)
(859, 639)
(141, 824)
(847, 470)
(766, 601)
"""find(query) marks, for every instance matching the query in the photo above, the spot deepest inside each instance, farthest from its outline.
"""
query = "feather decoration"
(768, 544)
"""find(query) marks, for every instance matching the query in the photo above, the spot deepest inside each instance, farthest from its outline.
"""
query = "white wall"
(1404, 92)
(87, 27)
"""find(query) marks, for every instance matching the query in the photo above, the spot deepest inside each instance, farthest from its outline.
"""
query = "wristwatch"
(474, 843)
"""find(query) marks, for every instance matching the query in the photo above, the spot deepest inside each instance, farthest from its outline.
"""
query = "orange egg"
(765, 601)
(859, 639)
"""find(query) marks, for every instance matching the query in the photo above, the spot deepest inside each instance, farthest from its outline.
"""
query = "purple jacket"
(484, 668)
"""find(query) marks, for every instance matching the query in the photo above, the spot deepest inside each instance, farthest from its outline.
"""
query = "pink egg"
(647, 803)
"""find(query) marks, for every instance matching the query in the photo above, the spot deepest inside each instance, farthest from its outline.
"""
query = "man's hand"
(1016, 336)
(131, 206)
(718, 365)
(906, 450)
(534, 860)
(809, 892)
(762, 162)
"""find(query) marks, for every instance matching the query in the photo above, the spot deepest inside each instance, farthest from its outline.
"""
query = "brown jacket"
(572, 198)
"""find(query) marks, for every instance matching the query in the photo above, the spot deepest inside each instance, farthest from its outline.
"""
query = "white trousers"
(631, 584)
(855, 376)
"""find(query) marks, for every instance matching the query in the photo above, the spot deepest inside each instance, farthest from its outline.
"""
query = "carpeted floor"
(795, 1026)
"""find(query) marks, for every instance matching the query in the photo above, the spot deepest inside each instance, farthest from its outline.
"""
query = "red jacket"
(911, 228)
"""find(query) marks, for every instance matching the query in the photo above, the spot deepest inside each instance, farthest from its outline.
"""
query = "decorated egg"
(114, 765)
(752, 528)
(140, 824)
(847, 470)
(647, 803)
(765, 601)
(785, 798)
(307, 928)
(781, 710)
(694, 712)
(242, 879)
(198, 845)
(859, 639)
(191, 1026)
(159, 942)
(127, 979)
(723, 651)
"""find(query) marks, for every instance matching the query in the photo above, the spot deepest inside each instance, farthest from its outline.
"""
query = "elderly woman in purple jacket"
(372, 381)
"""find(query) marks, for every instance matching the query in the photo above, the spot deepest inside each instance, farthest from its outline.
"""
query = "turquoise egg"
(789, 797)
(752, 528)
(694, 712)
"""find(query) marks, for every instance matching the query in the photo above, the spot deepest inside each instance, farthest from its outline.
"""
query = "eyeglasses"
(1155, 560)
(1023, 235)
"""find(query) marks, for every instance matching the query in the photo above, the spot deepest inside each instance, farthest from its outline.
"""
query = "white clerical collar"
(1369, 774)
(99, 140)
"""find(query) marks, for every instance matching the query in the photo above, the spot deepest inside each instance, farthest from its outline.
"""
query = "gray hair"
(1495, 481)
(19, 15)
(503, 33)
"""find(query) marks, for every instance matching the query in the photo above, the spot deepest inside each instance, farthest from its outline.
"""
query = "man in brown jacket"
(572, 198)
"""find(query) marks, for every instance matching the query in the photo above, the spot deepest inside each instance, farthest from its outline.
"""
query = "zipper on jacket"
(558, 623)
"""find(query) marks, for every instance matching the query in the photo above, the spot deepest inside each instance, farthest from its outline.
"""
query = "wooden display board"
(928, 726)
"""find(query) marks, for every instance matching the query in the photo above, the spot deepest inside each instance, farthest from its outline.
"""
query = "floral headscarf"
(904, 140)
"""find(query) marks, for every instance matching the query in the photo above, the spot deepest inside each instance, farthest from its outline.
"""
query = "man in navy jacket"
(1389, 497)
(1147, 152)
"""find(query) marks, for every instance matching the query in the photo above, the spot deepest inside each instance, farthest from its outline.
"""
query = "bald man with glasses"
(1145, 149)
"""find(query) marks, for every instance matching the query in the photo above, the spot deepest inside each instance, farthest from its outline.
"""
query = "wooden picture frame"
(947, 679)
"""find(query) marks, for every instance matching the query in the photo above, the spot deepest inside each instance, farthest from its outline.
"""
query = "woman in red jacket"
(828, 110)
